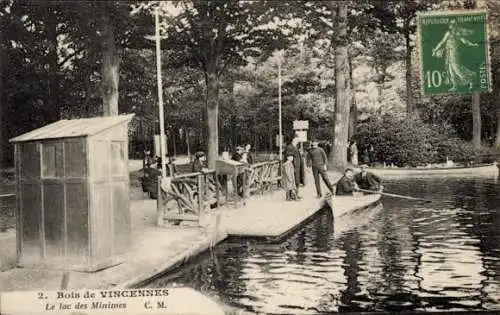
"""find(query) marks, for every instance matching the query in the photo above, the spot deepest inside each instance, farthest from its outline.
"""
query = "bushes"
(407, 141)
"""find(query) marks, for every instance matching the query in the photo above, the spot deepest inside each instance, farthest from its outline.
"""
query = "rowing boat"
(344, 205)
(477, 170)
(348, 211)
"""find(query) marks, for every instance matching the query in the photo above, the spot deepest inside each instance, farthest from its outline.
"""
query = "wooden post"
(201, 197)
(246, 185)
(279, 110)
(159, 203)
(217, 185)
(226, 187)
(163, 152)
(65, 281)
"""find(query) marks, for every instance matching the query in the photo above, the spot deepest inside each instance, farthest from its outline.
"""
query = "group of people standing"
(292, 175)
(367, 155)
(317, 159)
(241, 154)
(293, 170)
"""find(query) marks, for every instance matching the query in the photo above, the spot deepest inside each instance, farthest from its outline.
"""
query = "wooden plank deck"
(272, 218)
(269, 217)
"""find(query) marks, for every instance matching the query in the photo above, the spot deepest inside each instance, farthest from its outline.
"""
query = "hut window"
(117, 157)
(49, 160)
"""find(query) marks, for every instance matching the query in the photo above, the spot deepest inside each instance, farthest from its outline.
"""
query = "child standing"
(288, 178)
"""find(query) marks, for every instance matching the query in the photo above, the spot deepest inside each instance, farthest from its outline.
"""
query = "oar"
(395, 195)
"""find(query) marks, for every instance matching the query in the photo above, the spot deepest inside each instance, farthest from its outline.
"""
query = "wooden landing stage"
(270, 217)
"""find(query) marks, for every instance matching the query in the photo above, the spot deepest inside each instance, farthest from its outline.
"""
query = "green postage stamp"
(454, 52)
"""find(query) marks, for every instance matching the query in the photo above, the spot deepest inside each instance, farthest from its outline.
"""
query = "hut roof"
(73, 128)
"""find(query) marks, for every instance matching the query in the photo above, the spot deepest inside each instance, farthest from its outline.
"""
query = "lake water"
(443, 255)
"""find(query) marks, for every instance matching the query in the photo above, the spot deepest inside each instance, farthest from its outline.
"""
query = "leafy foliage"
(404, 141)
(51, 65)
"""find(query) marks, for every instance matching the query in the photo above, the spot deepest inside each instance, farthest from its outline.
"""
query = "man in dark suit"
(248, 146)
(346, 185)
(292, 149)
(367, 180)
(239, 178)
(318, 160)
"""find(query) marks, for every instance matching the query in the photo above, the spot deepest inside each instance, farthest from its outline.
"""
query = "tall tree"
(405, 12)
(494, 22)
(110, 73)
(214, 35)
(338, 153)
(476, 100)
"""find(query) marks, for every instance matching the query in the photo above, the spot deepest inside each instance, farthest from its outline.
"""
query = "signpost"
(158, 146)
(454, 52)
(302, 135)
(163, 141)
(300, 124)
(280, 123)
(278, 143)
(301, 127)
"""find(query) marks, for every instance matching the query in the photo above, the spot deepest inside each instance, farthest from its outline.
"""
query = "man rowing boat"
(349, 183)
(367, 180)
(346, 184)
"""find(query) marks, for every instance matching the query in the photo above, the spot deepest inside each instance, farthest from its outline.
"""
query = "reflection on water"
(443, 255)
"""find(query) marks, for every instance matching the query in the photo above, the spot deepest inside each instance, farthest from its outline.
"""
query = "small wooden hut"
(73, 194)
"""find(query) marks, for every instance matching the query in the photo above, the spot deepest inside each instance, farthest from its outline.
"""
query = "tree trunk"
(52, 109)
(3, 105)
(496, 81)
(110, 64)
(410, 103)
(353, 116)
(338, 154)
(497, 139)
(212, 115)
(476, 121)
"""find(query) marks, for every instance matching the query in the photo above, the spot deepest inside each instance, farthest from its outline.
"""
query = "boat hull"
(344, 205)
(480, 170)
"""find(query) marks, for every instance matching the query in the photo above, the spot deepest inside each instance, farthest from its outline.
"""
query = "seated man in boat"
(346, 185)
(368, 180)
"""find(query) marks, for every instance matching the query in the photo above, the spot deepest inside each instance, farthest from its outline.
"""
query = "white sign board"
(302, 135)
(278, 140)
(300, 124)
(157, 145)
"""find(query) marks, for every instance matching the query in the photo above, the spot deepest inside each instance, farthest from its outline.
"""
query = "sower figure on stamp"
(318, 160)
(448, 48)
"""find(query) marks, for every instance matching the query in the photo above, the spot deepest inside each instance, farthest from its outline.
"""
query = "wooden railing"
(185, 197)
(263, 176)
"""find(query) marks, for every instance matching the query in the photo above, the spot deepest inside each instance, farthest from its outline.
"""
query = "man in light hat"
(238, 154)
(368, 180)
(292, 149)
(199, 162)
(318, 160)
